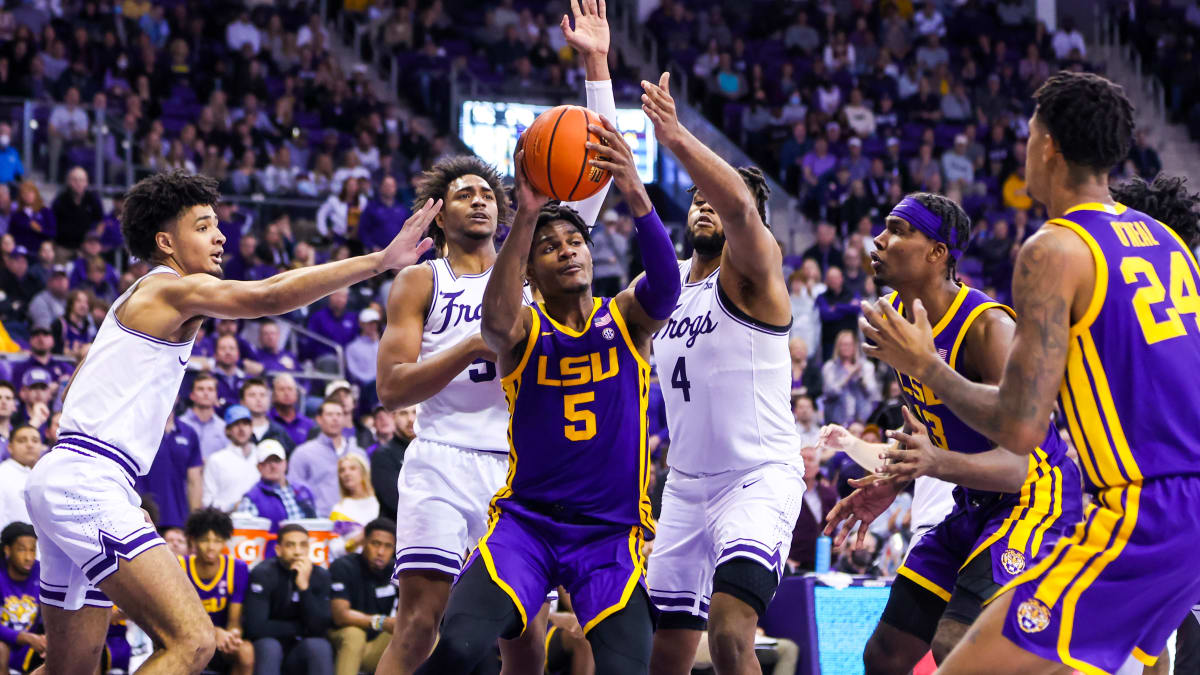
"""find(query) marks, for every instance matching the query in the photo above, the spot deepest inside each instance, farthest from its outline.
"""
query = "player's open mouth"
(480, 217)
(876, 263)
(703, 220)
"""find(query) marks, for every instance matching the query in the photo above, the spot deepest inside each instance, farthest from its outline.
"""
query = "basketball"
(556, 159)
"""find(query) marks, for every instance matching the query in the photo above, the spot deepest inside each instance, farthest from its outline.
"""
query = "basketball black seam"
(550, 152)
(583, 166)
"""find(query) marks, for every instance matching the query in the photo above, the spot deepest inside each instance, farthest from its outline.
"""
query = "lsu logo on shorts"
(1033, 615)
(1013, 561)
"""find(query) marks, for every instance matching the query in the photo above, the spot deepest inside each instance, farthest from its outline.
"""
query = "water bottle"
(824, 545)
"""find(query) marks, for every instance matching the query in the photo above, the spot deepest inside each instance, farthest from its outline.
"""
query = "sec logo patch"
(1033, 616)
(1013, 561)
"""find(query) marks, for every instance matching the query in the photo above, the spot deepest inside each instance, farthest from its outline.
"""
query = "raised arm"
(506, 322)
(752, 248)
(590, 38)
(651, 299)
(1051, 268)
(402, 377)
(204, 295)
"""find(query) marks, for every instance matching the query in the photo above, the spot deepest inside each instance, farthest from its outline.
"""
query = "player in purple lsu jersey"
(1108, 303)
(1009, 508)
(574, 507)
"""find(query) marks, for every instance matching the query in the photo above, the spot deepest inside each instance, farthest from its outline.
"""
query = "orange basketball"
(556, 159)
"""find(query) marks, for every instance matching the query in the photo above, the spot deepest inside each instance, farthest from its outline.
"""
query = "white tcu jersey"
(471, 411)
(727, 383)
(125, 389)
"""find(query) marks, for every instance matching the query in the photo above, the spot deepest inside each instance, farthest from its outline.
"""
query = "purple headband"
(915, 213)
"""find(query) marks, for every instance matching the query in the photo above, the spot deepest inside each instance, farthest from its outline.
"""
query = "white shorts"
(708, 520)
(444, 493)
(87, 517)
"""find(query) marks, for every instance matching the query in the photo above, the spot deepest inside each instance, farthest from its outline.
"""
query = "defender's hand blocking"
(660, 108)
(590, 35)
(859, 510)
(904, 345)
(408, 246)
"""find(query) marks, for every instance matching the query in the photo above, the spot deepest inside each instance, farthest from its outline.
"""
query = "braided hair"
(956, 225)
(1089, 117)
(1167, 199)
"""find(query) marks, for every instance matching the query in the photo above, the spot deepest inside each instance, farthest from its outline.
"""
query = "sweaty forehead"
(468, 182)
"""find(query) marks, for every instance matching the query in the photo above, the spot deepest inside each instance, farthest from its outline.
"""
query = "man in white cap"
(854, 161)
(274, 497)
(363, 351)
(956, 165)
(231, 471)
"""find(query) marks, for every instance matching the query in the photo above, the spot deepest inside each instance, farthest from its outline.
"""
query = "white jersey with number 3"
(726, 381)
(470, 412)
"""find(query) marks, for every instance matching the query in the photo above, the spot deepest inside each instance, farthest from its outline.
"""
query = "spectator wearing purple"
(35, 399)
(315, 463)
(32, 222)
(825, 251)
(284, 408)
(77, 210)
(222, 327)
(176, 478)
(819, 163)
(273, 357)
(76, 329)
(333, 321)
(382, 219)
(854, 161)
(256, 397)
(225, 369)
(90, 248)
(109, 228)
(839, 309)
(202, 416)
(8, 414)
(274, 497)
(41, 342)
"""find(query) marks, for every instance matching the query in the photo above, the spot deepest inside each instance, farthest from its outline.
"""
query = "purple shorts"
(1119, 584)
(528, 554)
(1015, 530)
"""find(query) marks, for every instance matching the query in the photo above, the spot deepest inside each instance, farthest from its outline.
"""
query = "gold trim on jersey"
(224, 569)
(1116, 209)
(962, 330)
(596, 302)
(645, 509)
(535, 329)
(963, 289)
(924, 583)
(639, 568)
(1025, 527)
(1100, 289)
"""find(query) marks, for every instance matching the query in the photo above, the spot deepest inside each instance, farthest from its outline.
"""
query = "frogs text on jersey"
(690, 326)
(455, 313)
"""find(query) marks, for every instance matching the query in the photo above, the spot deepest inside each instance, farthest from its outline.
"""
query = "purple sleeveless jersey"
(577, 427)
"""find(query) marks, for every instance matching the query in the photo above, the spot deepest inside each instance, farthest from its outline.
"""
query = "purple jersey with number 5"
(577, 420)
(1130, 392)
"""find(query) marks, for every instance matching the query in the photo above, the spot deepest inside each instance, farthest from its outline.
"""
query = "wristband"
(377, 622)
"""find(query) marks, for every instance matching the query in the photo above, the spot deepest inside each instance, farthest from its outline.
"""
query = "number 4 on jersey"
(679, 379)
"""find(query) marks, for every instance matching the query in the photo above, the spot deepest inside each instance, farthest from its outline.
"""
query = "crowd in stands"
(1165, 33)
(848, 110)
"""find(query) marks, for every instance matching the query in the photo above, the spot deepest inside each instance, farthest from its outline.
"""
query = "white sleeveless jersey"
(124, 390)
(726, 380)
(471, 411)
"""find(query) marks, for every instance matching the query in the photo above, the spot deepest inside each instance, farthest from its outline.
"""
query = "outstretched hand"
(904, 345)
(660, 108)
(527, 196)
(411, 243)
(917, 456)
(615, 157)
(590, 35)
(874, 495)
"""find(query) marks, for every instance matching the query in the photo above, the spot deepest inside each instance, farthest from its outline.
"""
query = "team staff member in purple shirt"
(176, 478)
(333, 321)
(287, 410)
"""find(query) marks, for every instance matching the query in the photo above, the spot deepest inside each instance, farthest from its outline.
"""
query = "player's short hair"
(1088, 116)
(290, 528)
(209, 519)
(754, 179)
(554, 211)
(253, 382)
(379, 524)
(434, 182)
(1167, 199)
(956, 224)
(14, 531)
(156, 201)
